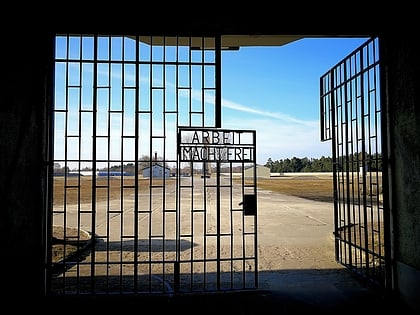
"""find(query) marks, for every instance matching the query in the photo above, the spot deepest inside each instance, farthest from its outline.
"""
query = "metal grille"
(351, 118)
(119, 196)
(218, 209)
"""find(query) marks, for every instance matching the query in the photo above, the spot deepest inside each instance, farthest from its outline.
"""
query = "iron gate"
(127, 217)
(218, 208)
(351, 116)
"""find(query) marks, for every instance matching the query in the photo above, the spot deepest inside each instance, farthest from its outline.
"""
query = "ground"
(312, 188)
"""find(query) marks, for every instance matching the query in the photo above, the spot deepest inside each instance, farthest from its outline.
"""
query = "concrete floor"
(295, 292)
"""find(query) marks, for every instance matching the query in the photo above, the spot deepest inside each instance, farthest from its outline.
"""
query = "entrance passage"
(129, 214)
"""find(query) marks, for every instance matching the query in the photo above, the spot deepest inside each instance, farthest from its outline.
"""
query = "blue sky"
(275, 90)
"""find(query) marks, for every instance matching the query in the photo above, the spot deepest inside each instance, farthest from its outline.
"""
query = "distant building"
(156, 170)
(112, 173)
(262, 171)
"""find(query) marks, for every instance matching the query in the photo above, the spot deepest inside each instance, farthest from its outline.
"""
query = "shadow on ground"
(280, 292)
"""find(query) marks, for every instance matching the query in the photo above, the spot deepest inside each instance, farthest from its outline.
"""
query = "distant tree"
(269, 164)
(61, 170)
(351, 162)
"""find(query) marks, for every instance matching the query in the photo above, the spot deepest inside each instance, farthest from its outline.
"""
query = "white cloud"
(278, 139)
(274, 115)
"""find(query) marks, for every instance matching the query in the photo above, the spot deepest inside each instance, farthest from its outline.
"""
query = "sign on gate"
(216, 145)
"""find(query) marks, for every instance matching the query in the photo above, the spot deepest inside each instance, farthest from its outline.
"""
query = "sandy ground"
(297, 271)
(292, 234)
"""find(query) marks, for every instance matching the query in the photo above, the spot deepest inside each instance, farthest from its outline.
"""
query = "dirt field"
(317, 188)
(295, 224)
(313, 188)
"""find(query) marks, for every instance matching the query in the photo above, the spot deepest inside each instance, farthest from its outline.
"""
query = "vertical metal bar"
(108, 163)
(378, 178)
(373, 172)
(178, 180)
(151, 108)
(79, 144)
(190, 90)
(94, 157)
(334, 158)
(218, 213)
(363, 102)
(243, 220)
(191, 123)
(348, 170)
(206, 209)
(218, 73)
(232, 209)
(164, 158)
(352, 158)
(66, 136)
(339, 110)
(322, 110)
(254, 141)
(355, 157)
(177, 276)
(121, 162)
(136, 165)
(203, 94)
(231, 217)
(218, 123)
(374, 201)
